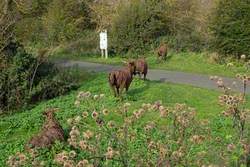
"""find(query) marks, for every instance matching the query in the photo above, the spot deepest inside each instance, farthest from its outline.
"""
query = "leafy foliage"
(231, 27)
(26, 79)
(137, 24)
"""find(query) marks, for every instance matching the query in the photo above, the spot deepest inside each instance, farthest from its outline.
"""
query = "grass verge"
(186, 62)
(17, 128)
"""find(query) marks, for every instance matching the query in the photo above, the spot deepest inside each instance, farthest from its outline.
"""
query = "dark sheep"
(162, 52)
(141, 67)
(120, 79)
(51, 131)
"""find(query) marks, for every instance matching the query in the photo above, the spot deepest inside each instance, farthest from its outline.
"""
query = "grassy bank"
(17, 128)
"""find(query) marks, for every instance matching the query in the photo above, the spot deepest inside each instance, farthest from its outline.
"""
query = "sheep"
(162, 52)
(51, 131)
(122, 78)
(141, 67)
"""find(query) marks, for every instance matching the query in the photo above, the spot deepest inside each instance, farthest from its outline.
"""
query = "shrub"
(231, 27)
(85, 45)
(138, 24)
(26, 79)
(65, 20)
(188, 25)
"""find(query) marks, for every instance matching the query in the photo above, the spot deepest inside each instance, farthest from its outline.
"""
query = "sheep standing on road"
(120, 79)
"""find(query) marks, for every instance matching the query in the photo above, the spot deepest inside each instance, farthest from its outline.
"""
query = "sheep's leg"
(139, 74)
(121, 89)
(117, 90)
(113, 90)
(144, 76)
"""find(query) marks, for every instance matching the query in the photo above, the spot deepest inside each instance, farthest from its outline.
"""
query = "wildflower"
(99, 121)
(88, 134)
(230, 64)
(77, 119)
(197, 139)
(202, 153)
(220, 82)
(246, 148)
(177, 154)
(162, 152)
(211, 78)
(42, 163)
(231, 147)
(126, 105)
(72, 154)
(111, 124)
(141, 111)
(102, 95)
(226, 114)
(74, 132)
(33, 153)
(83, 145)
(137, 114)
(105, 112)
(144, 105)
(70, 121)
(161, 108)
(96, 97)
(22, 157)
(243, 57)
(88, 94)
(151, 145)
(85, 114)
(81, 95)
(82, 163)
(68, 164)
(77, 103)
(109, 154)
(204, 122)
(128, 120)
(163, 113)
(91, 148)
(95, 115)
(109, 149)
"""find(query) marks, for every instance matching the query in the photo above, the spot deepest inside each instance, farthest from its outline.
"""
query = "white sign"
(104, 40)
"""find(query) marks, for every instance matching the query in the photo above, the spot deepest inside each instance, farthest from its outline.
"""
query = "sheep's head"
(131, 65)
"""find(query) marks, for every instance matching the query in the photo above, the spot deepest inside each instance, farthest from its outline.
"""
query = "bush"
(86, 45)
(137, 25)
(231, 27)
(26, 79)
(65, 20)
(188, 25)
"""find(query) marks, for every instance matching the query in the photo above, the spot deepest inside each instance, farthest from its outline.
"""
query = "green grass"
(186, 62)
(17, 128)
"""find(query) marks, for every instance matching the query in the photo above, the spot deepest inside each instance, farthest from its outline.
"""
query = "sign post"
(104, 43)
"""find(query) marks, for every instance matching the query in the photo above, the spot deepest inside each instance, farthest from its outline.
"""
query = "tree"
(231, 27)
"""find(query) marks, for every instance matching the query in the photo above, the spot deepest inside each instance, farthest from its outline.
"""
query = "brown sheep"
(120, 79)
(162, 52)
(51, 132)
(141, 67)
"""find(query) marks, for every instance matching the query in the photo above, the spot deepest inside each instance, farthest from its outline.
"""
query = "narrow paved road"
(196, 80)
